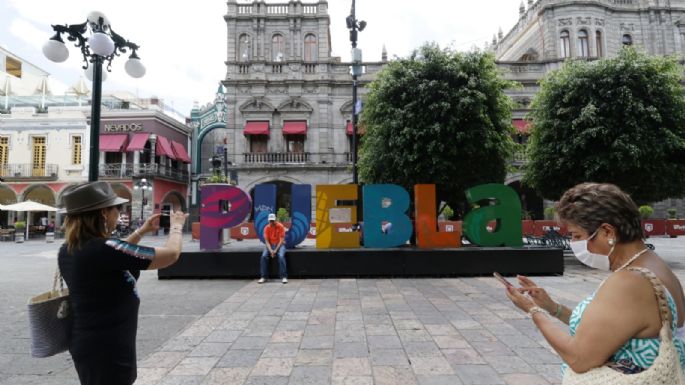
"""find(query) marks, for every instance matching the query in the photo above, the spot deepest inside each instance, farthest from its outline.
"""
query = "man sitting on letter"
(274, 239)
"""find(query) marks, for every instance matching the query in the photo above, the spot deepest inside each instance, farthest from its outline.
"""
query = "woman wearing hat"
(101, 275)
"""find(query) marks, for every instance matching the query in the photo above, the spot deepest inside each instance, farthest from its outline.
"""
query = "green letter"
(503, 205)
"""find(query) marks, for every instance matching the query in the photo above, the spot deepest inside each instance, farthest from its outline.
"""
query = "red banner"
(675, 227)
(653, 227)
(541, 227)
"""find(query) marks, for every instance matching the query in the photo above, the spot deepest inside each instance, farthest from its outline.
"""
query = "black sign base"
(400, 262)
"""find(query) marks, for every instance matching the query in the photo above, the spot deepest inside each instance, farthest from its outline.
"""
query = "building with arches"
(44, 141)
(548, 32)
(282, 113)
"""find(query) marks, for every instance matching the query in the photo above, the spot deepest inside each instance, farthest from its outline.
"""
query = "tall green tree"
(440, 117)
(618, 120)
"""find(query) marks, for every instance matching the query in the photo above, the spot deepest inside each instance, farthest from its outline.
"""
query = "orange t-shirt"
(274, 234)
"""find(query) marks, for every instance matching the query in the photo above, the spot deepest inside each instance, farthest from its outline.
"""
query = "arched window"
(244, 48)
(583, 47)
(310, 48)
(565, 41)
(627, 39)
(599, 43)
(277, 48)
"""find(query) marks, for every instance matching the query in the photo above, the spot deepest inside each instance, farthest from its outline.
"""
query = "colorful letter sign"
(506, 210)
(301, 211)
(328, 214)
(223, 206)
(375, 214)
(427, 235)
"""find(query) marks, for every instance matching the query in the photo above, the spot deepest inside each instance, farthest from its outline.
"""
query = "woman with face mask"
(620, 322)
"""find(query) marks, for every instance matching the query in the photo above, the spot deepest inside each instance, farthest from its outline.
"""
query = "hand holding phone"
(502, 279)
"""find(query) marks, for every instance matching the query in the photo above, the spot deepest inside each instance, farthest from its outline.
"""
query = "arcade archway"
(7, 197)
(174, 200)
(283, 195)
(42, 194)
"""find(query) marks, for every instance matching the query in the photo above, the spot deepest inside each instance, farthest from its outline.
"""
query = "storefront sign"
(125, 127)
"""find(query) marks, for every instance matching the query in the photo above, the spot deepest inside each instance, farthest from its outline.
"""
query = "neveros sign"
(124, 127)
(493, 202)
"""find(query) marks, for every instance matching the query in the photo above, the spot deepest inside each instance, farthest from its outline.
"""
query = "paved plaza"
(314, 331)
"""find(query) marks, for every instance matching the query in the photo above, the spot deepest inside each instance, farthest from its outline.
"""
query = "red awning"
(348, 129)
(295, 127)
(181, 153)
(113, 143)
(138, 142)
(164, 148)
(521, 126)
(256, 128)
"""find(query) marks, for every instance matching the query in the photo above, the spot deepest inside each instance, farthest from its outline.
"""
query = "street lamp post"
(355, 26)
(142, 185)
(216, 165)
(100, 47)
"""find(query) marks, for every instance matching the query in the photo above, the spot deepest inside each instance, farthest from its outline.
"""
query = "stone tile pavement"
(366, 331)
(318, 331)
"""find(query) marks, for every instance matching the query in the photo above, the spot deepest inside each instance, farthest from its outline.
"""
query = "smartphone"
(165, 220)
(502, 279)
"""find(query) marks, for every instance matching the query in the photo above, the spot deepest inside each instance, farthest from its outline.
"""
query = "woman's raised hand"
(537, 294)
(177, 218)
(151, 224)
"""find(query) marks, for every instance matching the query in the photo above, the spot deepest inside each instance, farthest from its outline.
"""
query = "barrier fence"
(651, 227)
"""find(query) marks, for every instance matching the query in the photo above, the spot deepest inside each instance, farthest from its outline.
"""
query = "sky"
(183, 44)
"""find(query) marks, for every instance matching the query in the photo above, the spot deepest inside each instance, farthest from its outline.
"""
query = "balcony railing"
(124, 171)
(310, 158)
(29, 171)
(520, 157)
(276, 157)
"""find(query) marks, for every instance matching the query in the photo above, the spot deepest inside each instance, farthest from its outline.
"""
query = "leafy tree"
(619, 120)
(282, 215)
(441, 117)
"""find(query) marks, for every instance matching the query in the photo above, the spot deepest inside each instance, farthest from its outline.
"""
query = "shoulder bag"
(49, 320)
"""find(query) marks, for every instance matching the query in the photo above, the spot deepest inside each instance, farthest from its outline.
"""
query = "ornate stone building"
(551, 31)
(283, 117)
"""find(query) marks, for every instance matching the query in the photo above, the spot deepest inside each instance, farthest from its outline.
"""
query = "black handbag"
(50, 320)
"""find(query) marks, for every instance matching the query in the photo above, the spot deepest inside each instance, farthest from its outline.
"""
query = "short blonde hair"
(588, 205)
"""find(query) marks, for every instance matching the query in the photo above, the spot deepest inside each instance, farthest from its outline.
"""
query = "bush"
(447, 213)
(646, 211)
(216, 179)
(20, 225)
(672, 213)
(549, 212)
(282, 215)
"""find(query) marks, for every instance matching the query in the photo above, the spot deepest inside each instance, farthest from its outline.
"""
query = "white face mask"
(596, 261)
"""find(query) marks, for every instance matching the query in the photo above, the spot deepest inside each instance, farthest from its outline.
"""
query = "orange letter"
(427, 235)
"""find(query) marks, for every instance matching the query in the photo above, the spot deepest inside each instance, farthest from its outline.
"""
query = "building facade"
(45, 139)
(549, 32)
(284, 115)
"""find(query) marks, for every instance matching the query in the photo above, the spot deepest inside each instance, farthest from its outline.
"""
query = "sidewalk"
(316, 331)
(372, 331)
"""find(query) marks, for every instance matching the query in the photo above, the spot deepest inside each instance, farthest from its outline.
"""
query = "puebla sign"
(225, 206)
